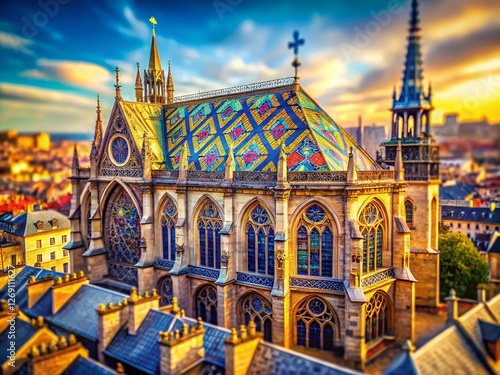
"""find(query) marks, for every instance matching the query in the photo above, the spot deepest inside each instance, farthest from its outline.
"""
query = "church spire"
(170, 86)
(98, 125)
(118, 93)
(413, 74)
(138, 85)
(154, 77)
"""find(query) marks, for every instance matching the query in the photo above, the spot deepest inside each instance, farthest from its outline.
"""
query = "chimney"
(181, 349)
(241, 349)
(65, 287)
(138, 308)
(37, 288)
(54, 357)
(451, 301)
(109, 320)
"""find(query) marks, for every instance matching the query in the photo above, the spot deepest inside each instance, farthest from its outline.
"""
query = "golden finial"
(117, 85)
(153, 21)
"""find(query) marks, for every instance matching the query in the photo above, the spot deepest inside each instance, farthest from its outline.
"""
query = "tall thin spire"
(170, 86)
(98, 125)
(138, 85)
(154, 77)
(154, 56)
(118, 95)
(413, 75)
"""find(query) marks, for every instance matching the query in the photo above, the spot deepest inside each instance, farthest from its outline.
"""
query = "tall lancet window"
(209, 226)
(168, 221)
(260, 242)
(377, 317)
(315, 243)
(372, 229)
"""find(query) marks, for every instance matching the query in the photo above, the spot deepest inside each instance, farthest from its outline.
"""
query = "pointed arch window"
(260, 242)
(372, 229)
(409, 211)
(206, 304)
(377, 317)
(315, 243)
(315, 325)
(166, 291)
(257, 308)
(123, 229)
(209, 227)
(168, 222)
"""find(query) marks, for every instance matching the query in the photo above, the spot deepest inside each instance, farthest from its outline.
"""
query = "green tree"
(461, 266)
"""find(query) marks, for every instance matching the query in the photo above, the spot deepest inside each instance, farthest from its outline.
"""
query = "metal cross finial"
(297, 42)
(118, 86)
(153, 21)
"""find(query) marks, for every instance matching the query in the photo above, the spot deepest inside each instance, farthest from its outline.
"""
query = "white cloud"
(135, 28)
(15, 42)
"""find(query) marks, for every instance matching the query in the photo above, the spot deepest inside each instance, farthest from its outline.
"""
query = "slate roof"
(271, 359)
(24, 224)
(142, 350)
(85, 366)
(22, 279)
(24, 331)
(494, 244)
(79, 315)
(470, 214)
(456, 192)
(256, 125)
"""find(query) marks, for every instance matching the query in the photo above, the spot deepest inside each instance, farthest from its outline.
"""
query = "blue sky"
(57, 54)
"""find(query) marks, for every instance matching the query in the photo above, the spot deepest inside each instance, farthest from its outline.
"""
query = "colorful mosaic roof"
(256, 127)
(145, 118)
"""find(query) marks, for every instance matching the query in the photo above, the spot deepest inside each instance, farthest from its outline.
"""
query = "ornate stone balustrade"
(253, 279)
(377, 277)
(123, 273)
(166, 174)
(375, 175)
(333, 284)
(207, 273)
(244, 176)
(237, 89)
(336, 176)
(163, 263)
(205, 175)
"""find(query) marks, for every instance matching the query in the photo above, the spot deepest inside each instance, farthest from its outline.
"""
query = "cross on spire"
(295, 44)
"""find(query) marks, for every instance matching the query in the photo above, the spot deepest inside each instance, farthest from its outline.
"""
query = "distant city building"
(35, 238)
(369, 137)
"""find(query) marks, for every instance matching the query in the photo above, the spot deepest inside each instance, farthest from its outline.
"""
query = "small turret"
(138, 85)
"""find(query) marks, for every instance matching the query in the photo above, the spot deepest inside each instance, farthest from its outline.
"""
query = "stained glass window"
(123, 229)
(257, 308)
(377, 317)
(315, 243)
(166, 291)
(119, 150)
(206, 304)
(168, 222)
(209, 227)
(409, 212)
(260, 242)
(316, 324)
(371, 225)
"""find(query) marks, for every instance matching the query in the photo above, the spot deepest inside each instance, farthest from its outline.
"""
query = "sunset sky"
(55, 60)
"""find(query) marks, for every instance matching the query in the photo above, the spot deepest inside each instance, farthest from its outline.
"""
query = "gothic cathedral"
(252, 203)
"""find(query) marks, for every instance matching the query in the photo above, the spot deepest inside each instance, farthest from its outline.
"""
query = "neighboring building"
(369, 137)
(248, 203)
(477, 223)
(493, 252)
(411, 132)
(40, 235)
(469, 345)
(130, 333)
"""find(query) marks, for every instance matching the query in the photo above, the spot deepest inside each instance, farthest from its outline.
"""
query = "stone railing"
(375, 175)
(377, 277)
(335, 176)
(207, 273)
(244, 176)
(205, 175)
(163, 263)
(253, 279)
(237, 89)
(332, 284)
(166, 174)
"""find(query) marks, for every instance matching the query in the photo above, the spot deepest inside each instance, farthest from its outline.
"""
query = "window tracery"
(372, 229)
(168, 222)
(209, 227)
(260, 242)
(315, 325)
(255, 307)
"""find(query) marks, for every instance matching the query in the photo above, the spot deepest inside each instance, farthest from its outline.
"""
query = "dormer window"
(53, 223)
(39, 226)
